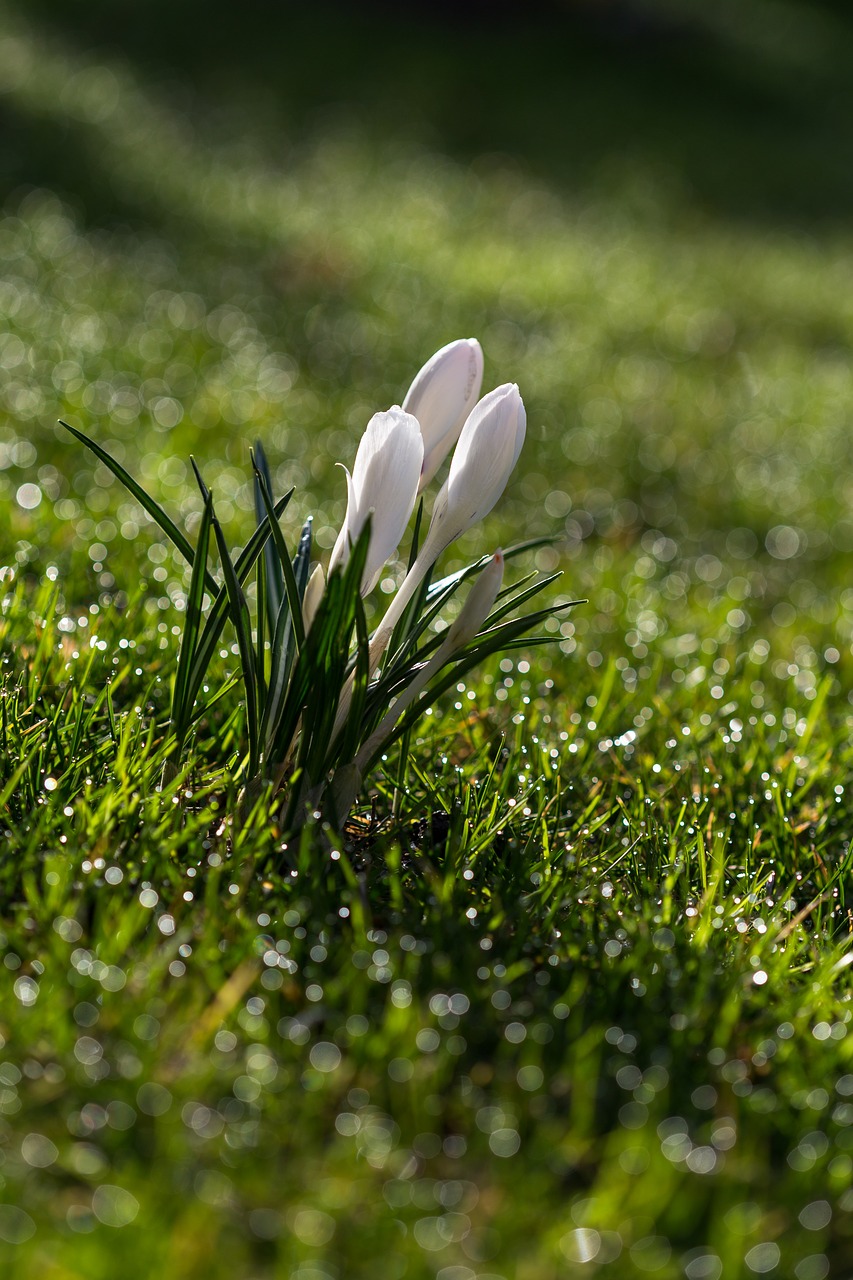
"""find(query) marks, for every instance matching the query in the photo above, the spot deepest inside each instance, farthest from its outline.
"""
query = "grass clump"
(316, 704)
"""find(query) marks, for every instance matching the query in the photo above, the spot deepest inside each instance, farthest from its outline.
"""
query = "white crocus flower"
(482, 461)
(484, 456)
(441, 397)
(384, 482)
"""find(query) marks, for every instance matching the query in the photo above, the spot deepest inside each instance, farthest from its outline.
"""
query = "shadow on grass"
(743, 115)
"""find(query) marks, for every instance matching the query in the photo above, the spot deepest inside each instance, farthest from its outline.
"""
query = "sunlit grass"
(571, 995)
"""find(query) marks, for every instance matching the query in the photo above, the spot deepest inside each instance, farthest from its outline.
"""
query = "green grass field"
(581, 1006)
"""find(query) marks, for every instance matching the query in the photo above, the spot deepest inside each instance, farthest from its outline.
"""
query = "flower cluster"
(401, 450)
(323, 699)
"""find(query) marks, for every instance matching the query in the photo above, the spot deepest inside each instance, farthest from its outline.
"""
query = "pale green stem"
(402, 703)
(379, 640)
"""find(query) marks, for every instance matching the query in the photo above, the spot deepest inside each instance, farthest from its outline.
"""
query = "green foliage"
(310, 702)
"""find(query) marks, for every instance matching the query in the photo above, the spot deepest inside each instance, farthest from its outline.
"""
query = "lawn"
(570, 994)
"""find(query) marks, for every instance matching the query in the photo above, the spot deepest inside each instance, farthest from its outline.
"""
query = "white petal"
(385, 481)
(441, 397)
(314, 589)
(486, 453)
(340, 551)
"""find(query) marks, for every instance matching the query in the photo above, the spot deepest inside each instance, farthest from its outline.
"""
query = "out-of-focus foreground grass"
(223, 222)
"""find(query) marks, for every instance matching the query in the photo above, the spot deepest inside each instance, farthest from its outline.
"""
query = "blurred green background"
(227, 221)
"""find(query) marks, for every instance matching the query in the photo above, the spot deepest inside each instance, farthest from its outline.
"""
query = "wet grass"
(572, 995)
(603, 1016)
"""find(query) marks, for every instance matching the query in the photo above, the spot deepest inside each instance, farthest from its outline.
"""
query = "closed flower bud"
(384, 481)
(441, 397)
(314, 589)
(485, 454)
(477, 606)
(483, 459)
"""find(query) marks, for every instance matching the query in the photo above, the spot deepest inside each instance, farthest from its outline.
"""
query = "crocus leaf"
(517, 549)
(218, 615)
(272, 563)
(158, 515)
(239, 614)
(282, 649)
(182, 694)
(290, 585)
(483, 646)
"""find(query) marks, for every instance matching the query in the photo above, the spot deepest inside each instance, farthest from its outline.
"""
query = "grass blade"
(218, 614)
(182, 704)
(284, 559)
(239, 614)
(158, 515)
(272, 564)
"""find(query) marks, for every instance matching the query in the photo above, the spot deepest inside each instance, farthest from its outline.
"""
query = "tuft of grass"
(316, 711)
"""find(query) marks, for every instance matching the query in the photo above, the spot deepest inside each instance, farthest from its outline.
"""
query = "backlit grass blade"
(218, 614)
(202, 710)
(22, 767)
(284, 558)
(158, 515)
(183, 696)
(272, 564)
(239, 614)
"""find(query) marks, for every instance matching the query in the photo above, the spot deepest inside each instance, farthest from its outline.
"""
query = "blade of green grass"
(144, 499)
(284, 559)
(183, 695)
(272, 564)
(239, 614)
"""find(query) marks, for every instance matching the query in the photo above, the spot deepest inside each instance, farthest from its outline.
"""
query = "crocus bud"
(314, 588)
(384, 481)
(486, 453)
(441, 397)
(477, 606)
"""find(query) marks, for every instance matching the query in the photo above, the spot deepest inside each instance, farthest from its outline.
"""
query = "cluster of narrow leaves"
(324, 700)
